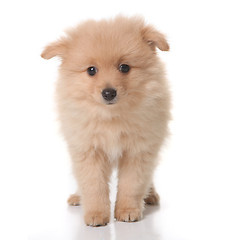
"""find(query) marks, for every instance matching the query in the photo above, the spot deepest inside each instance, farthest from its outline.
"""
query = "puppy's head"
(110, 64)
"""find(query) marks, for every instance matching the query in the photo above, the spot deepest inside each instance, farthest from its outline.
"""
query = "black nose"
(109, 94)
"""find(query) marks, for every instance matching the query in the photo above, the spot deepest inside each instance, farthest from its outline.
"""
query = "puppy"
(114, 107)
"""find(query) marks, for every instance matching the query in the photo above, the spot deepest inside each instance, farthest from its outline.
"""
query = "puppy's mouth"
(114, 101)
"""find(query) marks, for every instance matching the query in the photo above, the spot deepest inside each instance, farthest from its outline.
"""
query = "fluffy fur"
(129, 132)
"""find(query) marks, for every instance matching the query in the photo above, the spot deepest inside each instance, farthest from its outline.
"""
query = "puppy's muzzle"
(109, 95)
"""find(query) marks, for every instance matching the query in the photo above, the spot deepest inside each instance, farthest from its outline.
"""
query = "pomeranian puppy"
(114, 107)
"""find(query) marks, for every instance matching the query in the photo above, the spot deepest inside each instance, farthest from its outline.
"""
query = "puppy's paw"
(74, 200)
(153, 198)
(96, 218)
(128, 214)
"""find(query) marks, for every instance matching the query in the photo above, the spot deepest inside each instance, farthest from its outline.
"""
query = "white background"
(35, 173)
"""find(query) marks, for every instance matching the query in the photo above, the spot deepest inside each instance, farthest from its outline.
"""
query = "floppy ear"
(54, 49)
(155, 38)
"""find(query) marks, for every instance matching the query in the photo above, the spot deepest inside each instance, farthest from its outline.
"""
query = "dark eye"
(92, 71)
(124, 68)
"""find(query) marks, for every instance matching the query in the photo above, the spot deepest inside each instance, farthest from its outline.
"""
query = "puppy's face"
(108, 63)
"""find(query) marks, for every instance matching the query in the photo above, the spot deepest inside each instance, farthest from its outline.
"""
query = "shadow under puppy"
(114, 107)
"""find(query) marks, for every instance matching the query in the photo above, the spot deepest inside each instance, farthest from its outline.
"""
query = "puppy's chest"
(112, 145)
(114, 139)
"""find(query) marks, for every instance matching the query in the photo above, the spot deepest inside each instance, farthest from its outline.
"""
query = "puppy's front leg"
(134, 178)
(93, 172)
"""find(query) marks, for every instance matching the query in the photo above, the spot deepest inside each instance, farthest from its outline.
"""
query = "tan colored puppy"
(113, 103)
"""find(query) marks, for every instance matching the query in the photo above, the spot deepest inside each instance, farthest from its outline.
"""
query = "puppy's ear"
(54, 49)
(155, 38)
